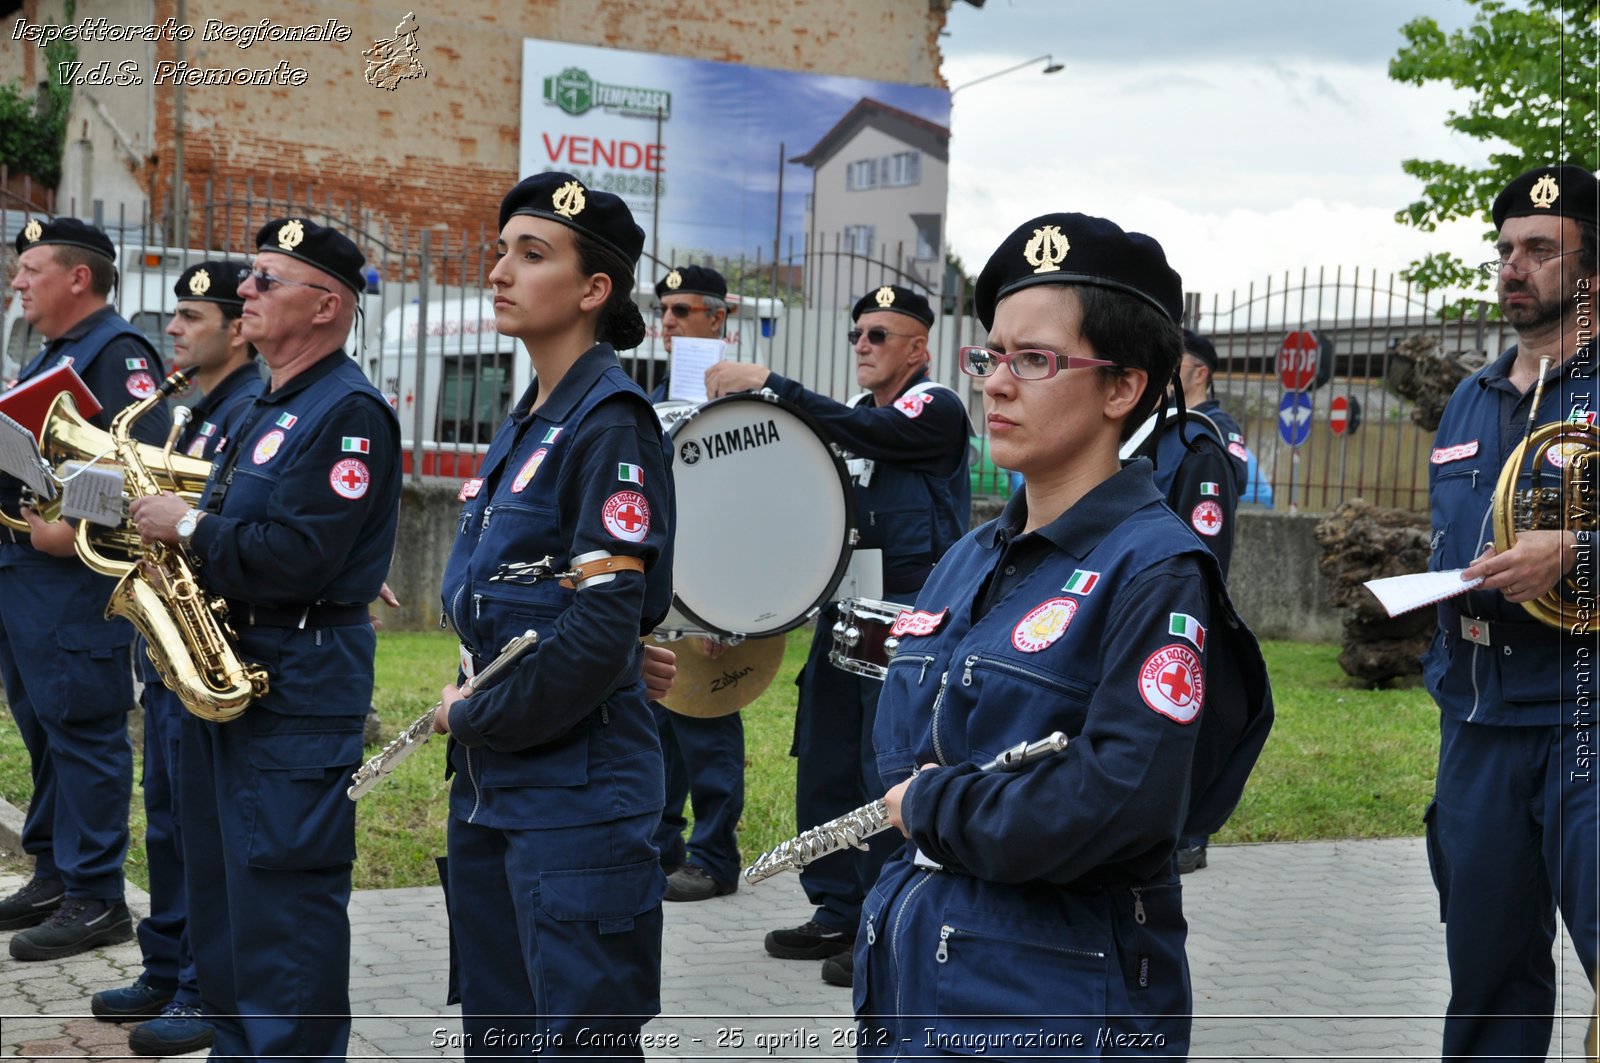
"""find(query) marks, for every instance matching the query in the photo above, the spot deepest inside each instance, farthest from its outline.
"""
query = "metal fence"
(426, 336)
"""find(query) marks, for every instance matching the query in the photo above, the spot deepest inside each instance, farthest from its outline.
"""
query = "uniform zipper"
(938, 699)
(477, 791)
(946, 932)
(487, 510)
(1138, 904)
(920, 659)
(894, 937)
(1472, 716)
(1015, 669)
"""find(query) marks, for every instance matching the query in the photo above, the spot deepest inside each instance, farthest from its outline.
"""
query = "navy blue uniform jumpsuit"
(1512, 827)
(916, 502)
(704, 759)
(163, 934)
(304, 504)
(1057, 902)
(554, 887)
(65, 667)
(1198, 482)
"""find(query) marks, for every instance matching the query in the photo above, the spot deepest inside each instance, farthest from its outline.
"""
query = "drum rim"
(846, 486)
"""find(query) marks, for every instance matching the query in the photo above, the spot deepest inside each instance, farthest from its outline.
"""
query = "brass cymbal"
(706, 688)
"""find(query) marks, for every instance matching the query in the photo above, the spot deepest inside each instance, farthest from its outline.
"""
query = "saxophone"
(186, 632)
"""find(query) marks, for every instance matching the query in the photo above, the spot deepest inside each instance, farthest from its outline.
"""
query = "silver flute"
(853, 828)
(416, 736)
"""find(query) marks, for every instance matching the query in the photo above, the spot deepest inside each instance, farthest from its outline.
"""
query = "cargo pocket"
(1438, 866)
(1014, 988)
(95, 678)
(598, 944)
(302, 818)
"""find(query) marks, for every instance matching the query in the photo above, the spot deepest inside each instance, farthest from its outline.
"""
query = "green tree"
(33, 130)
(1532, 70)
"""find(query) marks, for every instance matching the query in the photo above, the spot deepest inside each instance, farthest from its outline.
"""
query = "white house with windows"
(878, 187)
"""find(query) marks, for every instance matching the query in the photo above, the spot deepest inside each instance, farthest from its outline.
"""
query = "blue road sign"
(1294, 417)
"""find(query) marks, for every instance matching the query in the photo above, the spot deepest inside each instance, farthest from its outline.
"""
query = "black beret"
(68, 232)
(328, 249)
(1200, 347)
(1079, 249)
(692, 280)
(212, 281)
(1557, 191)
(896, 300)
(562, 198)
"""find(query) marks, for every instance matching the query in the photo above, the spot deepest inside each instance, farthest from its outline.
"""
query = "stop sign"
(1344, 414)
(1305, 361)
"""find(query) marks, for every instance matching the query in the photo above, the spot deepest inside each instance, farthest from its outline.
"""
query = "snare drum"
(765, 517)
(861, 642)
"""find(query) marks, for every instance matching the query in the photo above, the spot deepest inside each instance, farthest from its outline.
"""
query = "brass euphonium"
(187, 632)
(1559, 464)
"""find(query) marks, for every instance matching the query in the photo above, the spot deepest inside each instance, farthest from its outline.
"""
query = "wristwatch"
(186, 526)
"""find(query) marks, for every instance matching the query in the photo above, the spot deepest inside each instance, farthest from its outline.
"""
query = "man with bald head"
(907, 440)
(295, 532)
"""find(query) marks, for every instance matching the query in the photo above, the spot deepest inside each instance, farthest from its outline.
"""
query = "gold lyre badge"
(674, 280)
(1544, 192)
(884, 297)
(200, 283)
(568, 200)
(33, 230)
(290, 233)
(1045, 249)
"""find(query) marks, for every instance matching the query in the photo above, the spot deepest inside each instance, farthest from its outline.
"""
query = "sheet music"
(1402, 594)
(19, 456)
(92, 493)
(691, 357)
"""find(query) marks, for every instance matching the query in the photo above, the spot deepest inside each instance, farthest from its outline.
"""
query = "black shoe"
(80, 924)
(32, 904)
(180, 1029)
(691, 883)
(840, 970)
(809, 941)
(144, 999)
(1191, 859)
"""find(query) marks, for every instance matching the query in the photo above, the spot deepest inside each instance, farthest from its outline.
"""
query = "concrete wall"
(1274, 578)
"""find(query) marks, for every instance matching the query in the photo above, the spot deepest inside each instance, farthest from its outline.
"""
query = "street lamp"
(1050, 67)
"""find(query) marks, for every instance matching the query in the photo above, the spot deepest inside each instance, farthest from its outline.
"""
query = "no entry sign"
(1344, 414)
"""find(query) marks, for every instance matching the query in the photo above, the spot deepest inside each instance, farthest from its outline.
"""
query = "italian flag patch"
(1187, 627)
(630, 474)
(1208, 488)
(355, 445)
(551, 434)
(287, 420)
(1082, 581)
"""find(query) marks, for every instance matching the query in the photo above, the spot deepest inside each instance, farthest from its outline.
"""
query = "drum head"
(764, 512)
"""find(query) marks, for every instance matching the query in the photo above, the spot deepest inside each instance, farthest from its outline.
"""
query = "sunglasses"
(1025, 365)
(265, 281)
(876, 335)
(678, 310)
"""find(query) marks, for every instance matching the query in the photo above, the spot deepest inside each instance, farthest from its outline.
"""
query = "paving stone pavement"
(1312, 951)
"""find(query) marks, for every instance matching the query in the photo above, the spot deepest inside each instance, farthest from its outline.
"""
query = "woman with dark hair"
(1049, 895)
(553, 884)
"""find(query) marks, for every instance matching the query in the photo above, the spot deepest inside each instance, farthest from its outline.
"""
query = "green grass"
(1342, 762)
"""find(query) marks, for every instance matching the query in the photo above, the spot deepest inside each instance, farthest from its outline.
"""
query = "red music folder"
(28, 402)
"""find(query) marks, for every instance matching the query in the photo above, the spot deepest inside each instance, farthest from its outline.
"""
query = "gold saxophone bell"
(1548, 484)
(186, 632)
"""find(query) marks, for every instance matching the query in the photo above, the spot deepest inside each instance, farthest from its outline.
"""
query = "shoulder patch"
(349, 478)
(911, 405)
(1442, 455)
(470, 489)
(1172, 683)
(626, 515)
(141, 385)
(915, 622)
(1207, 518)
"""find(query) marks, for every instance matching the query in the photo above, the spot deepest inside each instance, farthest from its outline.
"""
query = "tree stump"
(1362, 542)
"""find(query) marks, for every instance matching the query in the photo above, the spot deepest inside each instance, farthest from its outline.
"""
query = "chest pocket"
(1040, 698)
(1462, 497)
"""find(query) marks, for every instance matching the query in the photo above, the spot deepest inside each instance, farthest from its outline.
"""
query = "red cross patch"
(1207, 518)
(626, 516)
(141, 385)
(350, 478)
(911, 405)
(1172, 683)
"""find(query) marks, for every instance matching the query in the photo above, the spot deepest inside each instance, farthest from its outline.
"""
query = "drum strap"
(601, 566)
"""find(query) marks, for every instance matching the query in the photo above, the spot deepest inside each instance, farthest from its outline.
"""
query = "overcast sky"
(1247, 136)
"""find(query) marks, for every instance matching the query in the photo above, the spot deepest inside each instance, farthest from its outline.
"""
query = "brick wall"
(436, 152)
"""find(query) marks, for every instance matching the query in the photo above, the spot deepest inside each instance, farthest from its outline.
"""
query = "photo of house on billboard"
(727, 162)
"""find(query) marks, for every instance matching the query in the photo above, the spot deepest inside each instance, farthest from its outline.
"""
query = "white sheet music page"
(691, 357)
(19, 456)
(1402, 594)
(92, 493)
